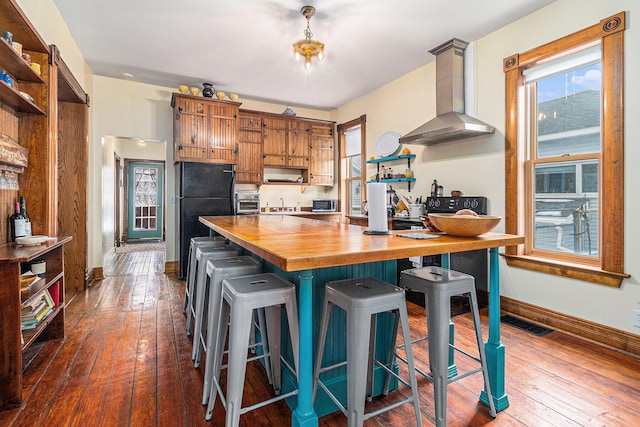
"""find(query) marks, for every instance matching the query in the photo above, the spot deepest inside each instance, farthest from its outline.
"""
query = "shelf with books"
(32, 307)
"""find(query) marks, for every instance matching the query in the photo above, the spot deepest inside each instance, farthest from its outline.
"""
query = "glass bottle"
(17, 224)
(23, 211)
(267, 208)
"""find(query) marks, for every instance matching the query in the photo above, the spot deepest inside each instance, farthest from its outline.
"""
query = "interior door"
(145, 200)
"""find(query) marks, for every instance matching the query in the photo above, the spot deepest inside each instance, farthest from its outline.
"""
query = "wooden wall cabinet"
(286, 142)
(250, 169)
(205, 130)
(321, 166)
(276, 131)
(15, 260)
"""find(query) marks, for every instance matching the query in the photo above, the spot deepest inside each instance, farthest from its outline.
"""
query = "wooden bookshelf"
(14, 261)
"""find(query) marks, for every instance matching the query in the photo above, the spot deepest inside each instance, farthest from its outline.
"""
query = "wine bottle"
(23, 211)
(17, 224)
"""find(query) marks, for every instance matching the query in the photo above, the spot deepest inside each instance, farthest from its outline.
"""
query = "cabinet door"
(321, 163)
(249, 169)
(222, 131)
(190, 130)
(275, 141)
(298, 148)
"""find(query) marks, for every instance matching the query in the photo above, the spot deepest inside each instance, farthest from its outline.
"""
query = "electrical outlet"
(636, 318)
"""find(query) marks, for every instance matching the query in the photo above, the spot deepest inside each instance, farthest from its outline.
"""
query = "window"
(352, 149)
(564, 154)
(562, 132)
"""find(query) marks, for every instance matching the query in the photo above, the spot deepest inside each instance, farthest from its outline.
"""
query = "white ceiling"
(244, 46)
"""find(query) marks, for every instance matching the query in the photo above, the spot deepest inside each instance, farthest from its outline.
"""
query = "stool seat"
(363, 299)
(439, 285)
(240, 297)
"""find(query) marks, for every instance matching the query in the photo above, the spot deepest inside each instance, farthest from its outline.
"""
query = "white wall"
(477, 166)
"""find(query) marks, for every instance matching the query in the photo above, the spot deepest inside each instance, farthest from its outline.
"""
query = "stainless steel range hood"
(451, 122)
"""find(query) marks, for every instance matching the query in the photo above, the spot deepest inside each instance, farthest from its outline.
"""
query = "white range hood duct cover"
(451, 123)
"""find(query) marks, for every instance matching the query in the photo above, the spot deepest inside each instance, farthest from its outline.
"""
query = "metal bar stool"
(439, 285)
(202, 255)
(362, 299)
(195, 242)
(217, 270)
(240, 297)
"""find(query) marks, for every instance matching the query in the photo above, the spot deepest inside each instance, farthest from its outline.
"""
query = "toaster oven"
(247, 202)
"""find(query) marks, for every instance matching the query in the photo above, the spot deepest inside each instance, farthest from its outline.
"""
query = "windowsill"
(565, 269)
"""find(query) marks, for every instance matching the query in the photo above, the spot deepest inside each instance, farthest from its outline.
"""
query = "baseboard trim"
(623, 341)
(93, 274)
(171, 266)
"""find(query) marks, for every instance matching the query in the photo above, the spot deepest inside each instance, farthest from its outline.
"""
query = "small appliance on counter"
(247, 202)
(324, 205)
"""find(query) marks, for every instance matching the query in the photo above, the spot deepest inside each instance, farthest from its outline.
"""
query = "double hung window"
(565, 154)
(352, 148)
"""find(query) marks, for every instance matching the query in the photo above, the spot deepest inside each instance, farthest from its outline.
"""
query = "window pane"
(353, 141)
(355, 168)
(355, 197)
(590, 178)
(555, 179)
(568, 112)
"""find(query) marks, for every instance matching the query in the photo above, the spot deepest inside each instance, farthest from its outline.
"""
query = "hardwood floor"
(126, 361)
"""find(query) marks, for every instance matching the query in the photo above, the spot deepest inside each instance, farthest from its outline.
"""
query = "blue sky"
(569, 83)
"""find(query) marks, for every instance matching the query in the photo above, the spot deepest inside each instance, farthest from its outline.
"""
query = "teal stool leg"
(494, 349)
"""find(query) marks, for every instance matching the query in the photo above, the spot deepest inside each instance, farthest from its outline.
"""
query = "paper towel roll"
(377, 206)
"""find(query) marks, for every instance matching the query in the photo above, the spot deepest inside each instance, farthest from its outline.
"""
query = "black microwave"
(324, 205)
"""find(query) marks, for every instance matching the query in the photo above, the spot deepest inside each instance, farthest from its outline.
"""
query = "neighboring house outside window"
(565, 155)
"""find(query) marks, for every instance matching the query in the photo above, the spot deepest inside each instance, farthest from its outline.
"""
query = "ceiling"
(245, 46)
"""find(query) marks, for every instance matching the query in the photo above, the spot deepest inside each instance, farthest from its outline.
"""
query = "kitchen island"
(309, 253)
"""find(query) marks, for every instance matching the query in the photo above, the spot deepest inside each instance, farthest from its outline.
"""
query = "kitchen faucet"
(281, 203)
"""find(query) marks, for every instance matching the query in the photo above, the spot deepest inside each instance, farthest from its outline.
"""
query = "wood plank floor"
(125, 361)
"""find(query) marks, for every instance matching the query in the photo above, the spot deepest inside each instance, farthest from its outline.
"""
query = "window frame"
(609, 270)
(344, 180)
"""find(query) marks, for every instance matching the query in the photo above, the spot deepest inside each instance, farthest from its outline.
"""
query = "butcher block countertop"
(295, 244)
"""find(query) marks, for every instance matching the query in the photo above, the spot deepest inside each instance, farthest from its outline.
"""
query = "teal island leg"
(495, 351)
(304, 414)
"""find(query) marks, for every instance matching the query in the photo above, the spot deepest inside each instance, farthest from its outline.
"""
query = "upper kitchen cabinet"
(205, 130)
(298, 144)
(249, 169)
(286, 142)
(276, 130)
(321, 167)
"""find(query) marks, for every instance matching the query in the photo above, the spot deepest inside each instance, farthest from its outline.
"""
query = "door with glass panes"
(145, 200)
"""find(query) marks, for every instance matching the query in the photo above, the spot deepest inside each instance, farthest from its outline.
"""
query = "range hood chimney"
(451, 122)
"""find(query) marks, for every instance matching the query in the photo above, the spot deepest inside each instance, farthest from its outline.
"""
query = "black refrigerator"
(205, 189)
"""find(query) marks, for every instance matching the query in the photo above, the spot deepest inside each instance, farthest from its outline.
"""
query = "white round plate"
(31, 240)
(388, 143)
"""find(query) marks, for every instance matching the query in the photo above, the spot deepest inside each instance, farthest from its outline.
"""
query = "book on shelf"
(37, 310)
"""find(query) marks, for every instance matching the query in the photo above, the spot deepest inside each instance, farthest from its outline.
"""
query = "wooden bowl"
(464, 225)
